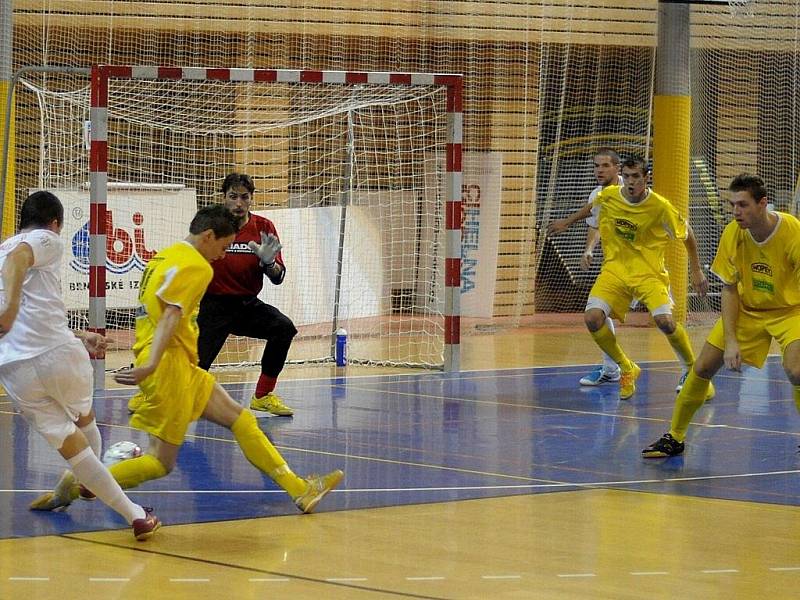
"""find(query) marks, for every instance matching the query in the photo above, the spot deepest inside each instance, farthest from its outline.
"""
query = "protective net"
(546, 84)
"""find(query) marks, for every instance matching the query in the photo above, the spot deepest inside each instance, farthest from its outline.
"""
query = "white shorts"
(52, 390)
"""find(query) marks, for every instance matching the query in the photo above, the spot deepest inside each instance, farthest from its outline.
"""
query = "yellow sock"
(797, 397)
(691, 397)
(135, 471)
(679, 340)
(264, 456)
(608, 344)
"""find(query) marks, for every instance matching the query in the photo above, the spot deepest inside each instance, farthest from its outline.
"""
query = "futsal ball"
(120, 451)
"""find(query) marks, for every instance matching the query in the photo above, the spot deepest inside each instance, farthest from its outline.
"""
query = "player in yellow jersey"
(758, 261)
(635, 226)
(174, 391)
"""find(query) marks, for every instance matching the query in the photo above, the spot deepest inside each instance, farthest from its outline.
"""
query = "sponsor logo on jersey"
(761, 268)
(625, 229)
(239, 248)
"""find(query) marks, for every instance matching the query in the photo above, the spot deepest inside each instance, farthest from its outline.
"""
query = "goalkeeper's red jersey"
(239, 273)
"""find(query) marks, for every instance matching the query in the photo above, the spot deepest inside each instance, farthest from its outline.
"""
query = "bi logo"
(123, 251)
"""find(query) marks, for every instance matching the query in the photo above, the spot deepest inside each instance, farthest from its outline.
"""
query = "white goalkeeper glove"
(267, 250)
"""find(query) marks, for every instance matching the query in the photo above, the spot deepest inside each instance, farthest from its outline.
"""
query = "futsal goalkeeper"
(758, 261)
(231, 304)
(635, 226)
(174, 391)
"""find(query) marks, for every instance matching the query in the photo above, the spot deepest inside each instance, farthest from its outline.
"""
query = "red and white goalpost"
(361, 171)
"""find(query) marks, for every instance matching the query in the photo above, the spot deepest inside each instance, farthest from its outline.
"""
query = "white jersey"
(591, 220)
(41, 323)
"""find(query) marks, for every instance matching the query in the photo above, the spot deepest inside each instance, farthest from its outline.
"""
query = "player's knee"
(665, 323)
(594, 319)
(286, 329)
(793, 373)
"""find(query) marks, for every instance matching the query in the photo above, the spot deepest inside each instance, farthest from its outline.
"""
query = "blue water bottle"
(341, 347)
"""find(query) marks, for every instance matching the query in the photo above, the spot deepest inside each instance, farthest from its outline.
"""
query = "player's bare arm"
(561, 225)
(592, 238)
(165, 329)
(730, 317)
(698, 277)
(16, 265)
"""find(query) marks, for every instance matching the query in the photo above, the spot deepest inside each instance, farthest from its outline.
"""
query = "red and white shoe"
(143, 529)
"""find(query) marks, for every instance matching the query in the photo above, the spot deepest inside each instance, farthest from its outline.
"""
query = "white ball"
(120, 451)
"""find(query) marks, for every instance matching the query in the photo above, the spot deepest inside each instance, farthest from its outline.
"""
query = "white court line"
(784, 568)
(567, 575)
(433, 578)
(715, 571)
(29, 579)
(345, 579)
(649, 572)
(457, 488)
(501, 576)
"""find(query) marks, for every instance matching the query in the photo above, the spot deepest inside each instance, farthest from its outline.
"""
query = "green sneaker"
(318, 487)
(271, 403)
(60, 498)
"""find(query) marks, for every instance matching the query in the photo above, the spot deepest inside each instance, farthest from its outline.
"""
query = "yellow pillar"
(9, 202)
(671, 134)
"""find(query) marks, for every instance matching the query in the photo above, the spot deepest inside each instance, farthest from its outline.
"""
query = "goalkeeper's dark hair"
(215, 217)
(753, 184)
(615, 159)
(636, 162)
(238, 179)
(39, 209)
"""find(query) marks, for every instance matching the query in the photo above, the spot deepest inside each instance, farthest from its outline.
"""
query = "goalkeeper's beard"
(241, 221)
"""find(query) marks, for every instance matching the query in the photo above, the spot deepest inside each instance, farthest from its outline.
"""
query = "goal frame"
(98, 172)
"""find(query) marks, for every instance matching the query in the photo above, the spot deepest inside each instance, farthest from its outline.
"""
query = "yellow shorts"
(755, 331)
(174, 396)
(618, 295)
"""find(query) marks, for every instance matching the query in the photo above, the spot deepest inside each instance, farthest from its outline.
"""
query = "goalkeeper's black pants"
(221, 316)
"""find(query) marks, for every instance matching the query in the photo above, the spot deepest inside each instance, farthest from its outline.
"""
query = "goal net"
(353, 169)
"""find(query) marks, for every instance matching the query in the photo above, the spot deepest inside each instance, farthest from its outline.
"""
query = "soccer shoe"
(627, 381)
(599, 376)
(60, 498)
(143, 529)
(271, 403)
(709, 394)
(318, 487)
(665, 447)
(85, 493)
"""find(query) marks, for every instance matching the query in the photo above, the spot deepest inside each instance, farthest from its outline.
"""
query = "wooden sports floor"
(506, 480)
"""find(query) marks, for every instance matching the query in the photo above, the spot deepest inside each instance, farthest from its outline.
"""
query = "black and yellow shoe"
(665, 447)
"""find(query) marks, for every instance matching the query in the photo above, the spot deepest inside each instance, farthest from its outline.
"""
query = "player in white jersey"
(606, 172)
(44, 367)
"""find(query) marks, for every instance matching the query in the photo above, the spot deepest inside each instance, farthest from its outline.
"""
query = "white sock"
(91, 473)
(609, 366)
(92, 434)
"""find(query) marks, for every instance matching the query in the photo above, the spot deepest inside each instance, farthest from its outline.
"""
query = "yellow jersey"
(766, 274)
(177, 275)
(634, 235)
